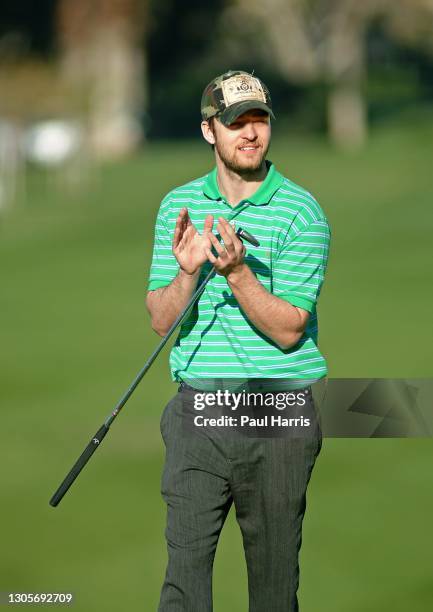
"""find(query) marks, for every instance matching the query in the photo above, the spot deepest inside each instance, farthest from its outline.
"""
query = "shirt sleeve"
(299, 270)
(164, 266)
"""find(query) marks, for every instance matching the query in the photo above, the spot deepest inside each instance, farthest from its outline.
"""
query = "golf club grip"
(244, 235)
(79, 464)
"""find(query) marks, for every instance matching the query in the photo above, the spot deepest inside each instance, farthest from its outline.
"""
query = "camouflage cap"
(233, 93)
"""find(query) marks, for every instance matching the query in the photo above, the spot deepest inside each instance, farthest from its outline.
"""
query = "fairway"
(75, 332)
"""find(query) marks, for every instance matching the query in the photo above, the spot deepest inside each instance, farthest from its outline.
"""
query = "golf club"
(100, 434)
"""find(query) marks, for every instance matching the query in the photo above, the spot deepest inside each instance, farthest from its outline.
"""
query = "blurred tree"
(314, 40)
(311, 40)
(101, 44)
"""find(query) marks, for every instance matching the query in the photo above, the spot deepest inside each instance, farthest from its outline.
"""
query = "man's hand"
(230, 255)
(189, 247)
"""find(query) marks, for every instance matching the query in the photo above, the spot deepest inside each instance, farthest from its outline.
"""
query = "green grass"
(75, 332)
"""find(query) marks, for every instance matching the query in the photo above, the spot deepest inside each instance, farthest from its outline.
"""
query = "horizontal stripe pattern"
(217, 339)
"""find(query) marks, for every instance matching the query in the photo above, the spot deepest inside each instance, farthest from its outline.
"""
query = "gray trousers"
(265, 478)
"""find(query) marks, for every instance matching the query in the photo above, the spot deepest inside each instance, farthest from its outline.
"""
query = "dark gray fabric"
(265, 478)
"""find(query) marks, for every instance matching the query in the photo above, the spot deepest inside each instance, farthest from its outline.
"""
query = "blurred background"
(99, 119)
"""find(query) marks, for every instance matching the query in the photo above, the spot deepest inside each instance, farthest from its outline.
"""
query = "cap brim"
(236, 110)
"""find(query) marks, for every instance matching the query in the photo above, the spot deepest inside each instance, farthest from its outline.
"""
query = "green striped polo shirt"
(217, 340)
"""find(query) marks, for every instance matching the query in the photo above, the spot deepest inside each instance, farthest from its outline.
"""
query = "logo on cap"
(242, 87)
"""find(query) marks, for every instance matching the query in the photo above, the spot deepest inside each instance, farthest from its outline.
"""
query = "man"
(255, 321)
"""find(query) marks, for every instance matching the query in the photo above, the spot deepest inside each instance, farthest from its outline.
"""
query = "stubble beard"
(250, 168)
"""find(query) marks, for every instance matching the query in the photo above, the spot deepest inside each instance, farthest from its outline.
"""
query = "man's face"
(242, 146)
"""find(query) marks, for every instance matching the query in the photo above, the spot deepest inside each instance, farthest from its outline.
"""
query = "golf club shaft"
(100, 434)
(102, 431)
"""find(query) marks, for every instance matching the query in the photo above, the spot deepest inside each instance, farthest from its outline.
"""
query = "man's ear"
(208, 135)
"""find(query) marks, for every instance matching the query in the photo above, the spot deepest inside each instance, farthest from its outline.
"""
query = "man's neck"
(235, 186)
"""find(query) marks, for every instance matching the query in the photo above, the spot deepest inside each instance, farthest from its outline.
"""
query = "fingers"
(217, 245)
(228, 235)
(208, 224)
(181, 225)
(211, 257)
(217, 262)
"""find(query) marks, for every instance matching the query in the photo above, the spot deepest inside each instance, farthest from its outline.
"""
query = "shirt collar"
(263, 195)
